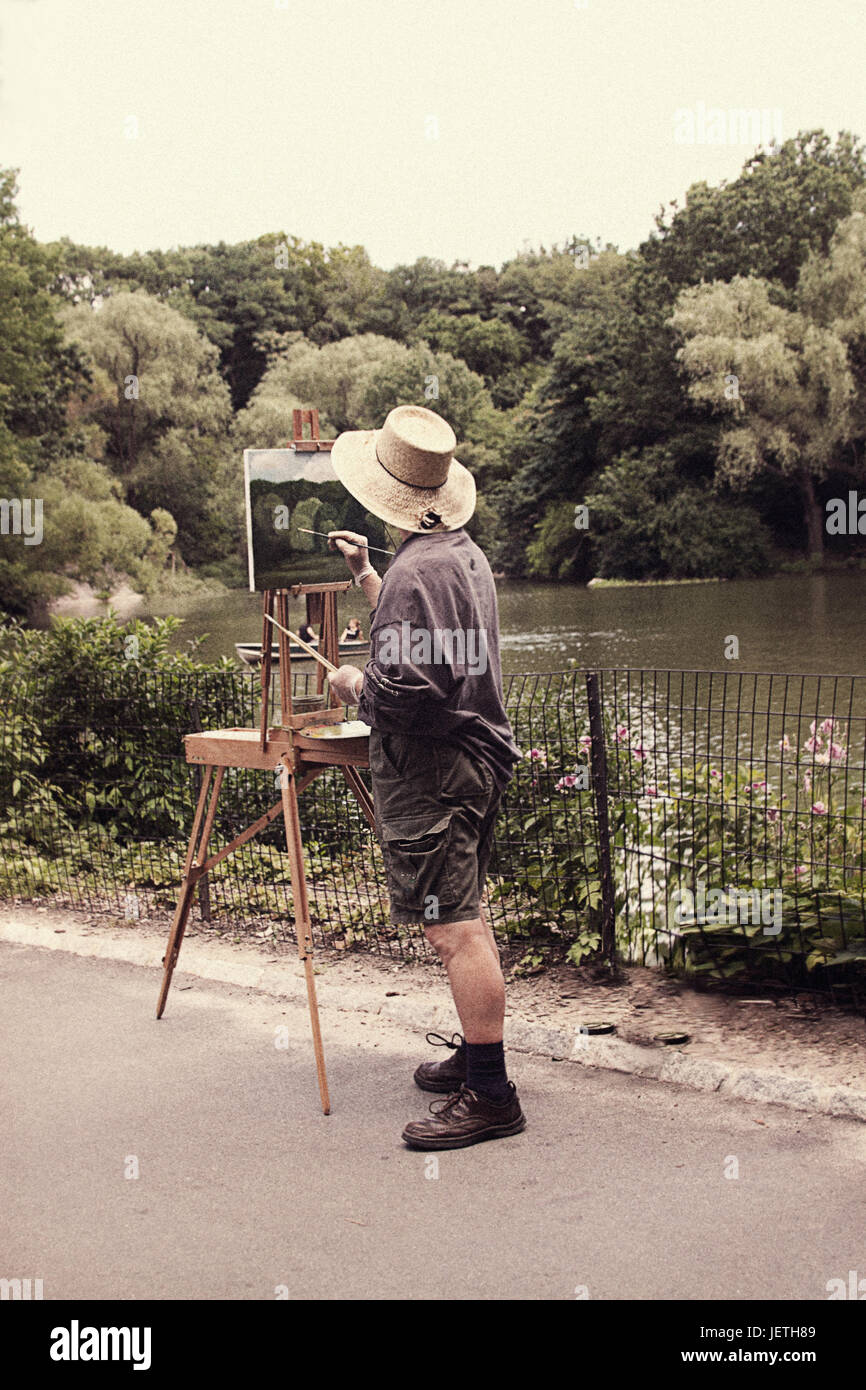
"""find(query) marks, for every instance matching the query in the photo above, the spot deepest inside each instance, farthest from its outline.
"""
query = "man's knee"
(447, 938)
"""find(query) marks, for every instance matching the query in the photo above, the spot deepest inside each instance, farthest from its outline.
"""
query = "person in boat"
(352, 632)
(308, 634)
(441, 747)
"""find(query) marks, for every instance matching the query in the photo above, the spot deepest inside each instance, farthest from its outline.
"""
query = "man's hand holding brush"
(354, 550)
(346, 683)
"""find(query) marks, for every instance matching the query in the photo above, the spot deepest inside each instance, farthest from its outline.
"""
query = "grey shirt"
(434, 667)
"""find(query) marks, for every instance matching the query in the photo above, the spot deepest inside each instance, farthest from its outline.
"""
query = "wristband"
(363, 575)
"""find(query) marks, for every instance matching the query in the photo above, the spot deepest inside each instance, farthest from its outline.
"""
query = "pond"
(789, 623)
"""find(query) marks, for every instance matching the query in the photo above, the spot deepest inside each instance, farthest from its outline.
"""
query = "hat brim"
(353, 455)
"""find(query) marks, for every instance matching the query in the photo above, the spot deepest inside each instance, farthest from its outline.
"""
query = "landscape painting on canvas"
(286, 490)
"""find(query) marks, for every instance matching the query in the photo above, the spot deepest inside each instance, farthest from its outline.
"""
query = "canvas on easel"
(290, 492)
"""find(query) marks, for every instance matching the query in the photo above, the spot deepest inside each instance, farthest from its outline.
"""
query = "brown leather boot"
(447, 1075)
(466, 1118)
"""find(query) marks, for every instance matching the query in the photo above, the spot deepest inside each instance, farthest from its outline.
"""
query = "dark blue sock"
(485, 1071)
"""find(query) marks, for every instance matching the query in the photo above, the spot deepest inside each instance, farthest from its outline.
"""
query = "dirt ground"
(800, 1034)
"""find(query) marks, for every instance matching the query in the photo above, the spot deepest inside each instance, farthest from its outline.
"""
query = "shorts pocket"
(398, 756)
(463, 778)
(416, 850)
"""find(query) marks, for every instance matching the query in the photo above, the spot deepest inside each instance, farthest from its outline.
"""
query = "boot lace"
(437, 1040)
(442, 1106)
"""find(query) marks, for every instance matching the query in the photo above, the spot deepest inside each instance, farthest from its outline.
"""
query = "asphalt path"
(189, 1159)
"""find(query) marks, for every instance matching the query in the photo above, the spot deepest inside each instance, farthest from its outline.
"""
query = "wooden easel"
(300, 760)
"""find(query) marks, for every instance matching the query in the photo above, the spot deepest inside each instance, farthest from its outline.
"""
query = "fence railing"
(711, 821)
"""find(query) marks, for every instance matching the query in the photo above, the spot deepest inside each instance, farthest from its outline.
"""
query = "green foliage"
(553, 370)
(613, 384)
(160, 406)
(789, 825)
(645, 524)
(557, 886)
(557, 548)
(784, 382)
(106, 699)
(37, 371)
(783, 206)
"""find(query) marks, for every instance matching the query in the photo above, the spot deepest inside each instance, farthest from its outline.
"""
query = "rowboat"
(251, 652)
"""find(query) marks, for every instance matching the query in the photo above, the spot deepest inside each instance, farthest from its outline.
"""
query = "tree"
(37, 369)
(782, 381)
(334, 378)
(156, 372)
(84, 531)
(355, 382)
(645, 523)
(87, 534)
(611, 385)
(832, 294)
(784, 205)
(491, 347)
(163, 410)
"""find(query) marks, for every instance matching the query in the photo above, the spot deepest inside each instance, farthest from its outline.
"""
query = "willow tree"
(782, 381)
(163, 411)
(832, 292)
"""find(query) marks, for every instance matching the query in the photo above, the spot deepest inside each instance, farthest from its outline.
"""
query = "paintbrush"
(307, 532)
(301, 643)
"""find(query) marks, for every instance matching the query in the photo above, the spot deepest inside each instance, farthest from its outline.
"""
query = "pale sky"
(458, 129)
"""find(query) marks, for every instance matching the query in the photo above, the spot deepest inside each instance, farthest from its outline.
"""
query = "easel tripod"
(300, 759)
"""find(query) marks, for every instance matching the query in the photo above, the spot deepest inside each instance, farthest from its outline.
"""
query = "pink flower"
(818, 808)
(812, 728)
(807, 781)
(800, 869)
(650, 791)
(714, 772)
(773, 813)
(757, 786)
(639, 753)
(812, 744)
(826, 727)
(784, 744)
(622, 734)
(564, 783)
(536, 755)
(837, 752)
(584, 742)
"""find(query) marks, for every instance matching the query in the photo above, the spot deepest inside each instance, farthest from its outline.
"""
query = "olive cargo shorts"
(436, 807)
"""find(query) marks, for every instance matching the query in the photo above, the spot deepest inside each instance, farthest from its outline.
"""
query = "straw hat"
(406, 472)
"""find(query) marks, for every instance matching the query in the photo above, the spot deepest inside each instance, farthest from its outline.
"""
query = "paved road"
(617, 1184)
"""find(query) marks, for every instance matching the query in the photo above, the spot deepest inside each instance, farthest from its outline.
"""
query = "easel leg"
(362, 796)
(195, 855)
(302, 922)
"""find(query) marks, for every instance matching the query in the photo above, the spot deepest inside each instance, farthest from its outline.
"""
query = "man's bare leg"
(491, 938)
(469, 954)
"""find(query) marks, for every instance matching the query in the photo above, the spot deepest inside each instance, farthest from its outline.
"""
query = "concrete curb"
(285, 980)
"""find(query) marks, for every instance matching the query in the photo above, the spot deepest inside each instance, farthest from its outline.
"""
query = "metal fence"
(710, 821)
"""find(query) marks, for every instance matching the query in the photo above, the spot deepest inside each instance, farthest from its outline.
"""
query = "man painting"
(441, 747)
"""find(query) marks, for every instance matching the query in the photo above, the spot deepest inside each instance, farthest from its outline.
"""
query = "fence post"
(598, 763)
